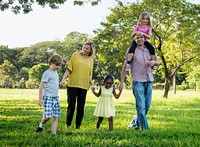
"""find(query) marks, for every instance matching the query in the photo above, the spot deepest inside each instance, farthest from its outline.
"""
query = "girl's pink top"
(145, 29)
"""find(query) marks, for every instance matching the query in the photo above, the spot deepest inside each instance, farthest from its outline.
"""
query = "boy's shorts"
(51, 107)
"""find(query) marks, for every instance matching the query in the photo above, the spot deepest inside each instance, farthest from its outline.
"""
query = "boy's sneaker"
(128, 67)
(39, 129)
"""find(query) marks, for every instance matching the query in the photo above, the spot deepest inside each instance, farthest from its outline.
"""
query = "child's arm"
(115, 94)
(96, 93)
(40, 100)
(146, 36)
(133, 33)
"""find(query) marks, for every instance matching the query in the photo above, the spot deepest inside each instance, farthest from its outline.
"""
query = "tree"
(26, 5)
(12, 55)
(175, 33)
(38, 53)
(176, 29)
(22, 77)
(8, 74)
(72, 42)
(35, 73)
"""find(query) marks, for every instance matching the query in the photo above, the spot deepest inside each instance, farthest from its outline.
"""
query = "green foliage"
(30, 84)
(21, 84)
(26, 5)
(24, 59)
(183, 86)
(23, 73)
(72, 42)
(175, 33)
(168, 122)
(7, 74)
(35, 73)
(38, 53)
(12, 55)
(193, 74)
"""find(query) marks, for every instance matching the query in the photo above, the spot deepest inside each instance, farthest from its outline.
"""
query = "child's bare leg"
(110, 120)
(54, 125)
(41, 125)
(43, 121)
(153, 57)
(130, 56)
(100, 119)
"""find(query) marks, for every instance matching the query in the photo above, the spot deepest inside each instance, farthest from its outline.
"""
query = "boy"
(48, 94)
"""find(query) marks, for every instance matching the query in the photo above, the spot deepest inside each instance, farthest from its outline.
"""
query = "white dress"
(105, 106)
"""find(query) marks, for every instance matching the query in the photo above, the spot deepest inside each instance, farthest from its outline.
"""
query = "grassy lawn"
(173, 122)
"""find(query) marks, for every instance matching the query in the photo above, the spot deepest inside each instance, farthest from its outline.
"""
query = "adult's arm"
(66, 74)
(123, 71)
(117, 95)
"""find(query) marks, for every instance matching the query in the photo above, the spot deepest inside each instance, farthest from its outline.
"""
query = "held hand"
(40, 102)
(92, 88)
(121, 86)
(61, 84)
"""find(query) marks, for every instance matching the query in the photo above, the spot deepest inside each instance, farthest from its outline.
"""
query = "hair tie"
(113, 78)
(104, 77)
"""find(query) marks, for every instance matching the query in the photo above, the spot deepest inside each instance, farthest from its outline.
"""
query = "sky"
(46, 24)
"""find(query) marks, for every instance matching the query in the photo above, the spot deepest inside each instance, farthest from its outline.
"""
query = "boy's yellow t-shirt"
(81, 70)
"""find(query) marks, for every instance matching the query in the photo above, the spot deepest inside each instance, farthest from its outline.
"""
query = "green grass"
(173, 122)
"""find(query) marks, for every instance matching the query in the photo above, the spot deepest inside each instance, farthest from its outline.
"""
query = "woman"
(79, 73)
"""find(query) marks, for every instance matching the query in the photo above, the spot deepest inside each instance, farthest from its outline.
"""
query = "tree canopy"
(175, 33)
(25, 6)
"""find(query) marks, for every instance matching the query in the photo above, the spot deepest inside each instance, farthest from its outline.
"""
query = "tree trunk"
(174, 83)
(167, 86)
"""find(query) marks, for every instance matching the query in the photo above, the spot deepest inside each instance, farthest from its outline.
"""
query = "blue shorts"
(51, 107)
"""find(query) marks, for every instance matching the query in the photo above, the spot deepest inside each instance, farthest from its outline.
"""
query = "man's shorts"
(51, 107)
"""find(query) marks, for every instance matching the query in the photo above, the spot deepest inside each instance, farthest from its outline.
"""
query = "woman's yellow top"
(81, 70)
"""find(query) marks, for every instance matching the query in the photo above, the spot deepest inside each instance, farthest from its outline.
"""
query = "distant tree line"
(176, 37)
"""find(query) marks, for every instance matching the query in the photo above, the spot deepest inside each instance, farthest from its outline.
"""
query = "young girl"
(105, 106)
(144, 26)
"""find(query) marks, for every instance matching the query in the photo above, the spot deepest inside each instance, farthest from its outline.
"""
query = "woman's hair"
(91, 44)
(107, 77)
(141, 17)
(55, 59)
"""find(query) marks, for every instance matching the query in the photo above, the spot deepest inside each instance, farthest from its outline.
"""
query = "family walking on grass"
(140, 59)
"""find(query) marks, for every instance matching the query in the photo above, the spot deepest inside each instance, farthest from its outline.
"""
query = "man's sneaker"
(39, 129)
(128, 67)
(134, 123)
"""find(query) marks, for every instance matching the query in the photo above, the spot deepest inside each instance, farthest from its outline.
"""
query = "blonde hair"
(92, 47)
(141, 17)
(55, 59)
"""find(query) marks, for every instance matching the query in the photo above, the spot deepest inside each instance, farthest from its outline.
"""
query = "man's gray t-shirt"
(50, 77)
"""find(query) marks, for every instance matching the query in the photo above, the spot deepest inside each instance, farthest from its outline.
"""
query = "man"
(142, 78)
